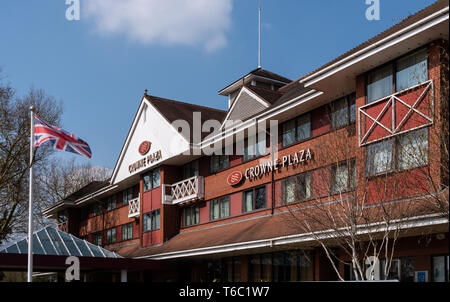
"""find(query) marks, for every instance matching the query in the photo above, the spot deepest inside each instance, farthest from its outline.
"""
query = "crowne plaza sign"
(144, 148)
(295, 158)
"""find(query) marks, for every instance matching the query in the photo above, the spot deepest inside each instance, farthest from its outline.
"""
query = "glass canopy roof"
(52, 241)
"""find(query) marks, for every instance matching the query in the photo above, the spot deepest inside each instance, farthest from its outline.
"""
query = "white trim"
(263, 116)
(372, 49)
(413, 222)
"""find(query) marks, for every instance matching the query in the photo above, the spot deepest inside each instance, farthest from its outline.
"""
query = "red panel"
(278, 193)
(146, 201)
(151, 238)
(204, 213)
(235, 204)
(320, 122)
(156, 198)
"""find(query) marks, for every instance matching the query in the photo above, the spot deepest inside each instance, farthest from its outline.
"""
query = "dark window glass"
(254, 199)
(111, 203)
(127, 195)
(296, 188)
(152, 220)
(379, 157)
(343, 176)
(296, 130)
(379, 83)
(411, 70)
(127, 231)
(219, 208)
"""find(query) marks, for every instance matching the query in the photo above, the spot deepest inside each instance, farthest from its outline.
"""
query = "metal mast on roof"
(259, 34)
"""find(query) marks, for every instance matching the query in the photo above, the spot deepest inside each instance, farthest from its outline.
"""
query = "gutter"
(413, 222)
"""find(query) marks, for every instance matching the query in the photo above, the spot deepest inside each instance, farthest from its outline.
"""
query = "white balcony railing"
(190, 189)
(134, 207)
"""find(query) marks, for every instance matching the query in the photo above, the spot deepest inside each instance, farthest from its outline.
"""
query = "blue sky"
(100, 65)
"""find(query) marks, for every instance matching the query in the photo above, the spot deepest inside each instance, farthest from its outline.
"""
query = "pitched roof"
(438, 5)
(175, 110)
(267, 94)
(261, 73)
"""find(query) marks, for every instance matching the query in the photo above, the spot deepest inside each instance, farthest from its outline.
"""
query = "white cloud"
(186, 22)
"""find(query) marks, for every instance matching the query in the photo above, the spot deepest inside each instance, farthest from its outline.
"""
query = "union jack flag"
(44, 134)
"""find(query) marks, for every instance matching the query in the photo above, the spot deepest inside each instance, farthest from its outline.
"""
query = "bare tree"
(59, 179)
(14, 152)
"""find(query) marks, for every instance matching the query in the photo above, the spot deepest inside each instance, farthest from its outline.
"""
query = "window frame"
(253, 192)
(351, 176)
(126, 192)
(394, 71)
(350, 99)
(111, 200)
(193, 211)
(151, 180)
(296, 125)
(126, 229)
(221, 160)
(294, 178)
(109, 235)
(219, 201)
(395, 153)
(151, 217)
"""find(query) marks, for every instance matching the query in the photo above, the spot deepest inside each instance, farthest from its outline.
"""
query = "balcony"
(134, 207)
(188, 190)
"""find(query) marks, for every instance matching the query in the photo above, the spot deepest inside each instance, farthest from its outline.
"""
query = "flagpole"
(30, 205)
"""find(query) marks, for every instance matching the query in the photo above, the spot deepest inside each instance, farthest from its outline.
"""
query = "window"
(379, 83)
(191, 169)
(411, 151)
(97, 238)
(409, 70)
(127, 195)
(111, 236)
(219, 208)
(254, 199)
(440, 268)
(254, 146)
(401, 269)
(296, 130)
(232, 269)
(191, 216)
(156, 178)
(127, 231)
(379, 157)
(152, 220)
(296, 188)
(343, 111)
(343, 176)
(219, 162)
(151, 180)
(111, 203)
(97, 209)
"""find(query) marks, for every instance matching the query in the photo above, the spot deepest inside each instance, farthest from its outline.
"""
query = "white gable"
(148, 125)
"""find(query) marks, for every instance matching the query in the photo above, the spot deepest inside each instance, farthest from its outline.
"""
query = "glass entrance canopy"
(52, 241)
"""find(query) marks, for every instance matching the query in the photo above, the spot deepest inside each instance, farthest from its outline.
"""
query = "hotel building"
(364, 135)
